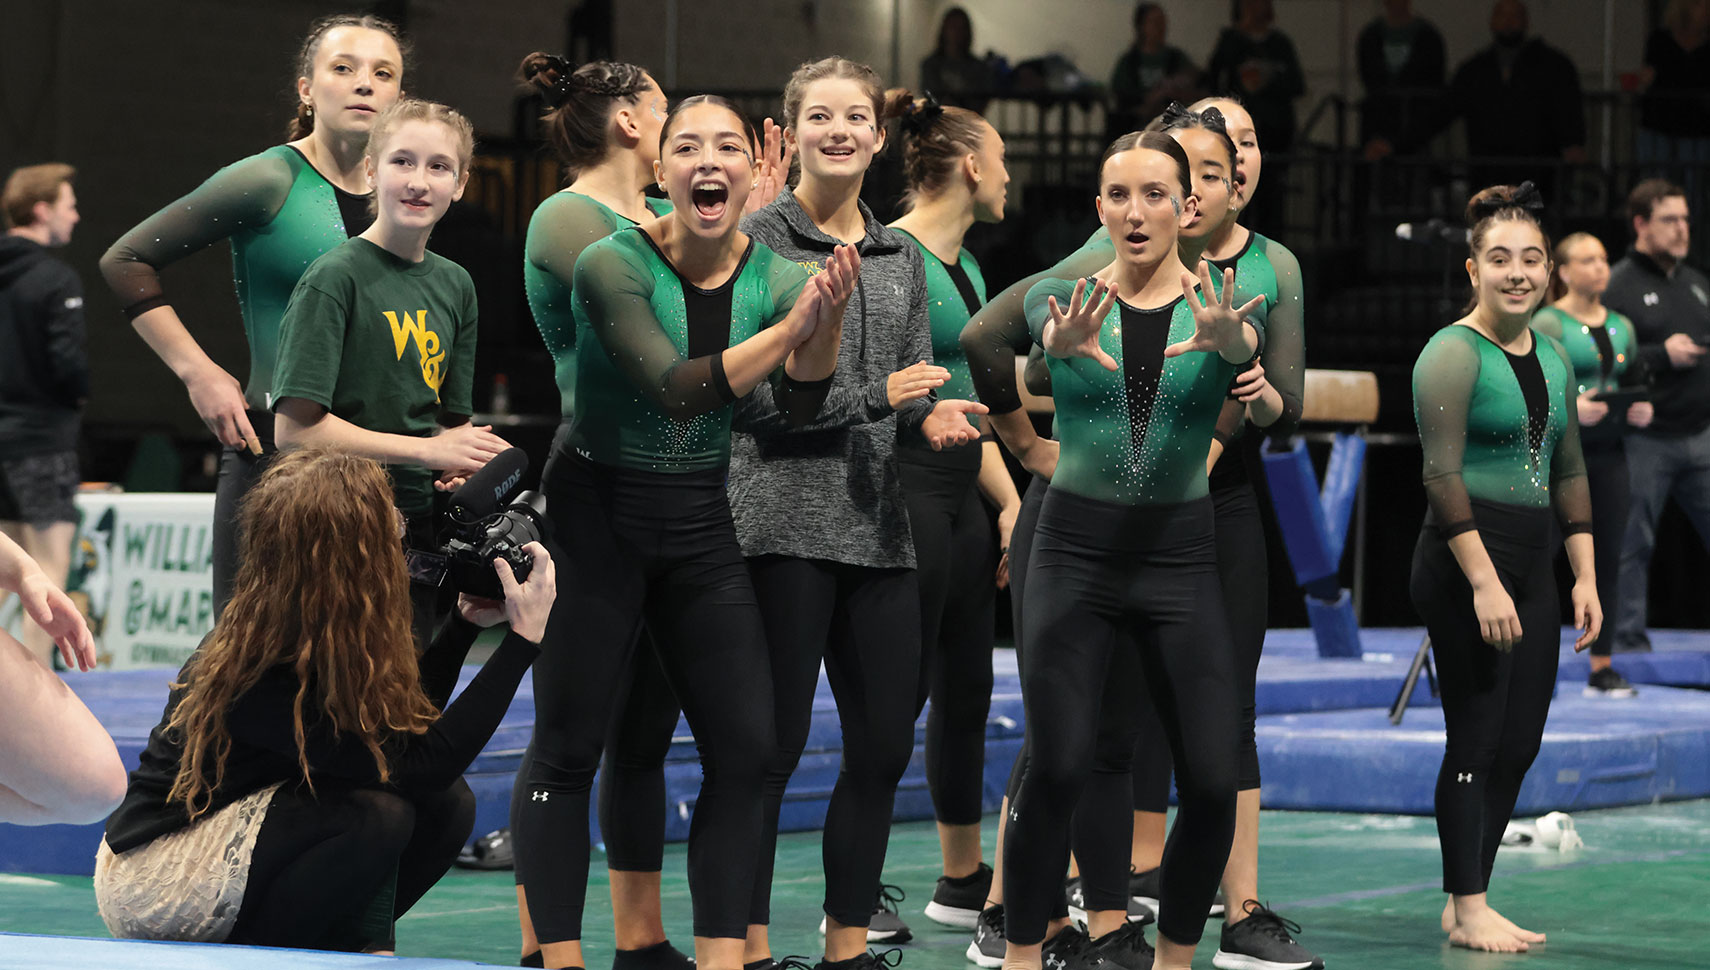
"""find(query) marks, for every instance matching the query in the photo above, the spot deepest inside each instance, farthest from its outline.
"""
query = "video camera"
(485, 523)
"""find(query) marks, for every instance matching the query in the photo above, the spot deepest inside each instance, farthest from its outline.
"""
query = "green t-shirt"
(561, 227)
(649, 391)
(950, 302)
(1481, 435)
(1138, 435)
(385, 344)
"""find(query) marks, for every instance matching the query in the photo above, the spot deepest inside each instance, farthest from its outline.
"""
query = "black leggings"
(239, 471)
(1611, 498)
(1494, 701)
(1244, 574)
(660, 547)
(322, 862)
(1106, 579)
(632, 778)
(1100, 830)
(956, 556)
(866, 624)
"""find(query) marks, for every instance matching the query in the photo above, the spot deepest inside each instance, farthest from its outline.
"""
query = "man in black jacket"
(1669, 304)
(44, 373)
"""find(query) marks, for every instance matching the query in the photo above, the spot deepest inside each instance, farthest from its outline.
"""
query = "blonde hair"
(411, 109)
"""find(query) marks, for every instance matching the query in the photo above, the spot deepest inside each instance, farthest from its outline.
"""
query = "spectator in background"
(952, 72)
(1669, 304)
(1256, 63)
(1521, 101)
(44, 374)
(1402, 68)
(1150, 74)
(1674, 115)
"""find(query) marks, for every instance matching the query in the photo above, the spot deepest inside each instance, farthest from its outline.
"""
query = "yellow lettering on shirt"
(414, 329)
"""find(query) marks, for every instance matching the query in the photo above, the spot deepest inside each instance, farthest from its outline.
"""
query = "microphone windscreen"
(480, 495)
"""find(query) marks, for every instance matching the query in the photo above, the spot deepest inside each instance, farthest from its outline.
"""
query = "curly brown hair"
(322, 587)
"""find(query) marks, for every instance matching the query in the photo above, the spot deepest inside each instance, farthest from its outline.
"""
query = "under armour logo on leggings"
(1464, 777)
(538, 796)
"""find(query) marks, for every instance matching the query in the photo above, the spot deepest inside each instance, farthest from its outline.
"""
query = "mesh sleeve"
(1039, 305)
(1548, 323)
(1037, 375)
(1570, 488)
(615, 291)
(1284, 340)
(564, 226)
(243, 195)
(1443, 380)
(999, 331)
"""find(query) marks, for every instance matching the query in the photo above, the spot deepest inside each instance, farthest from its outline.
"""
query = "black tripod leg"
(1421, 661)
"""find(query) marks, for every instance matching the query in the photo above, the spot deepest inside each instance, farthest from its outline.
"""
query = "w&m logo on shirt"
(432, 357)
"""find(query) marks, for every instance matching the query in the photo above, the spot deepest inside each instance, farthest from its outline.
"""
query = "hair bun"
(918, 115)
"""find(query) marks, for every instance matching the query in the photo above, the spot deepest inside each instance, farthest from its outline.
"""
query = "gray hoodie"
(829, 489)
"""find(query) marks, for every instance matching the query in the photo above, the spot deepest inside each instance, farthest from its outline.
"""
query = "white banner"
(142, 569)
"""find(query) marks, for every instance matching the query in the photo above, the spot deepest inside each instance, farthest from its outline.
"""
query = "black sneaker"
(1143, 888)
(1263, 941)
(659, 956)
(959, 901)
(989, 943)
(764, 963)
(866, 961)
(885, 926)
(1608, 683)
(1125, 948)
(1137, 912)
(1071, 950)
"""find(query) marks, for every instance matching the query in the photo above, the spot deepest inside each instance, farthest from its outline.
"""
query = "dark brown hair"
(1178, 118)
(717, 102)
(29, 185)
(304, 122)
(1497, 204)
(1564, 252)
(321, 588)
(935, 139)
(1155, 141)
(944, 28)
(1642, 201)
(580, 103)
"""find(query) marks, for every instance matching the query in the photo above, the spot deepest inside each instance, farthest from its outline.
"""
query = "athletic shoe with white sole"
(989, 944)
(885, 926)
(1125, 948)
(959, 901)
(1137, 912)
(1608, 683)
(1070, 949)
(1263, 941)
(1146, 888)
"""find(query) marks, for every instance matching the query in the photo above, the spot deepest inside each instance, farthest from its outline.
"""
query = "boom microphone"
(481, 495)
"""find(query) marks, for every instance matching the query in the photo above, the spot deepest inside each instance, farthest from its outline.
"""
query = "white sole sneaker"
(873, 936)
(1241, 961)
(965, 919)
(1149, 903)
(981, 960)
(1619, 693)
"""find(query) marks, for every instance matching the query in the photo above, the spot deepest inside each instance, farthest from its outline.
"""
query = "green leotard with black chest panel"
(561, 227)
(280, 215)
(1266, 268)
(954, 293)
(649, 391)
(1602, 357)
(1498, 427)
(1136, 435)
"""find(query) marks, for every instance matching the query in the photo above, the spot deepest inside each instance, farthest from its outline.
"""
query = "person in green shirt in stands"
(281, 209)
(377, 345)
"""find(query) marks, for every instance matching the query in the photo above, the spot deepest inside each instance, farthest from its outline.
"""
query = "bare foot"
(1485, 931)
(1523, 934)
(1449, 915)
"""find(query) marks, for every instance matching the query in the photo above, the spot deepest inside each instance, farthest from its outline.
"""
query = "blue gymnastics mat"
(1309, 770)
(75, 953)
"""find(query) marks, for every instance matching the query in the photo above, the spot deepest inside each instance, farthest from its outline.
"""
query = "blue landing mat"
(1292, 680)
(73, 953)
(1596, 753)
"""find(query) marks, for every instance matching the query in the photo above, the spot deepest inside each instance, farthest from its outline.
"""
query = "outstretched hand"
(771, 169)
(950, 423)
(1074, 332)
(53, 611)
(1217, 321)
